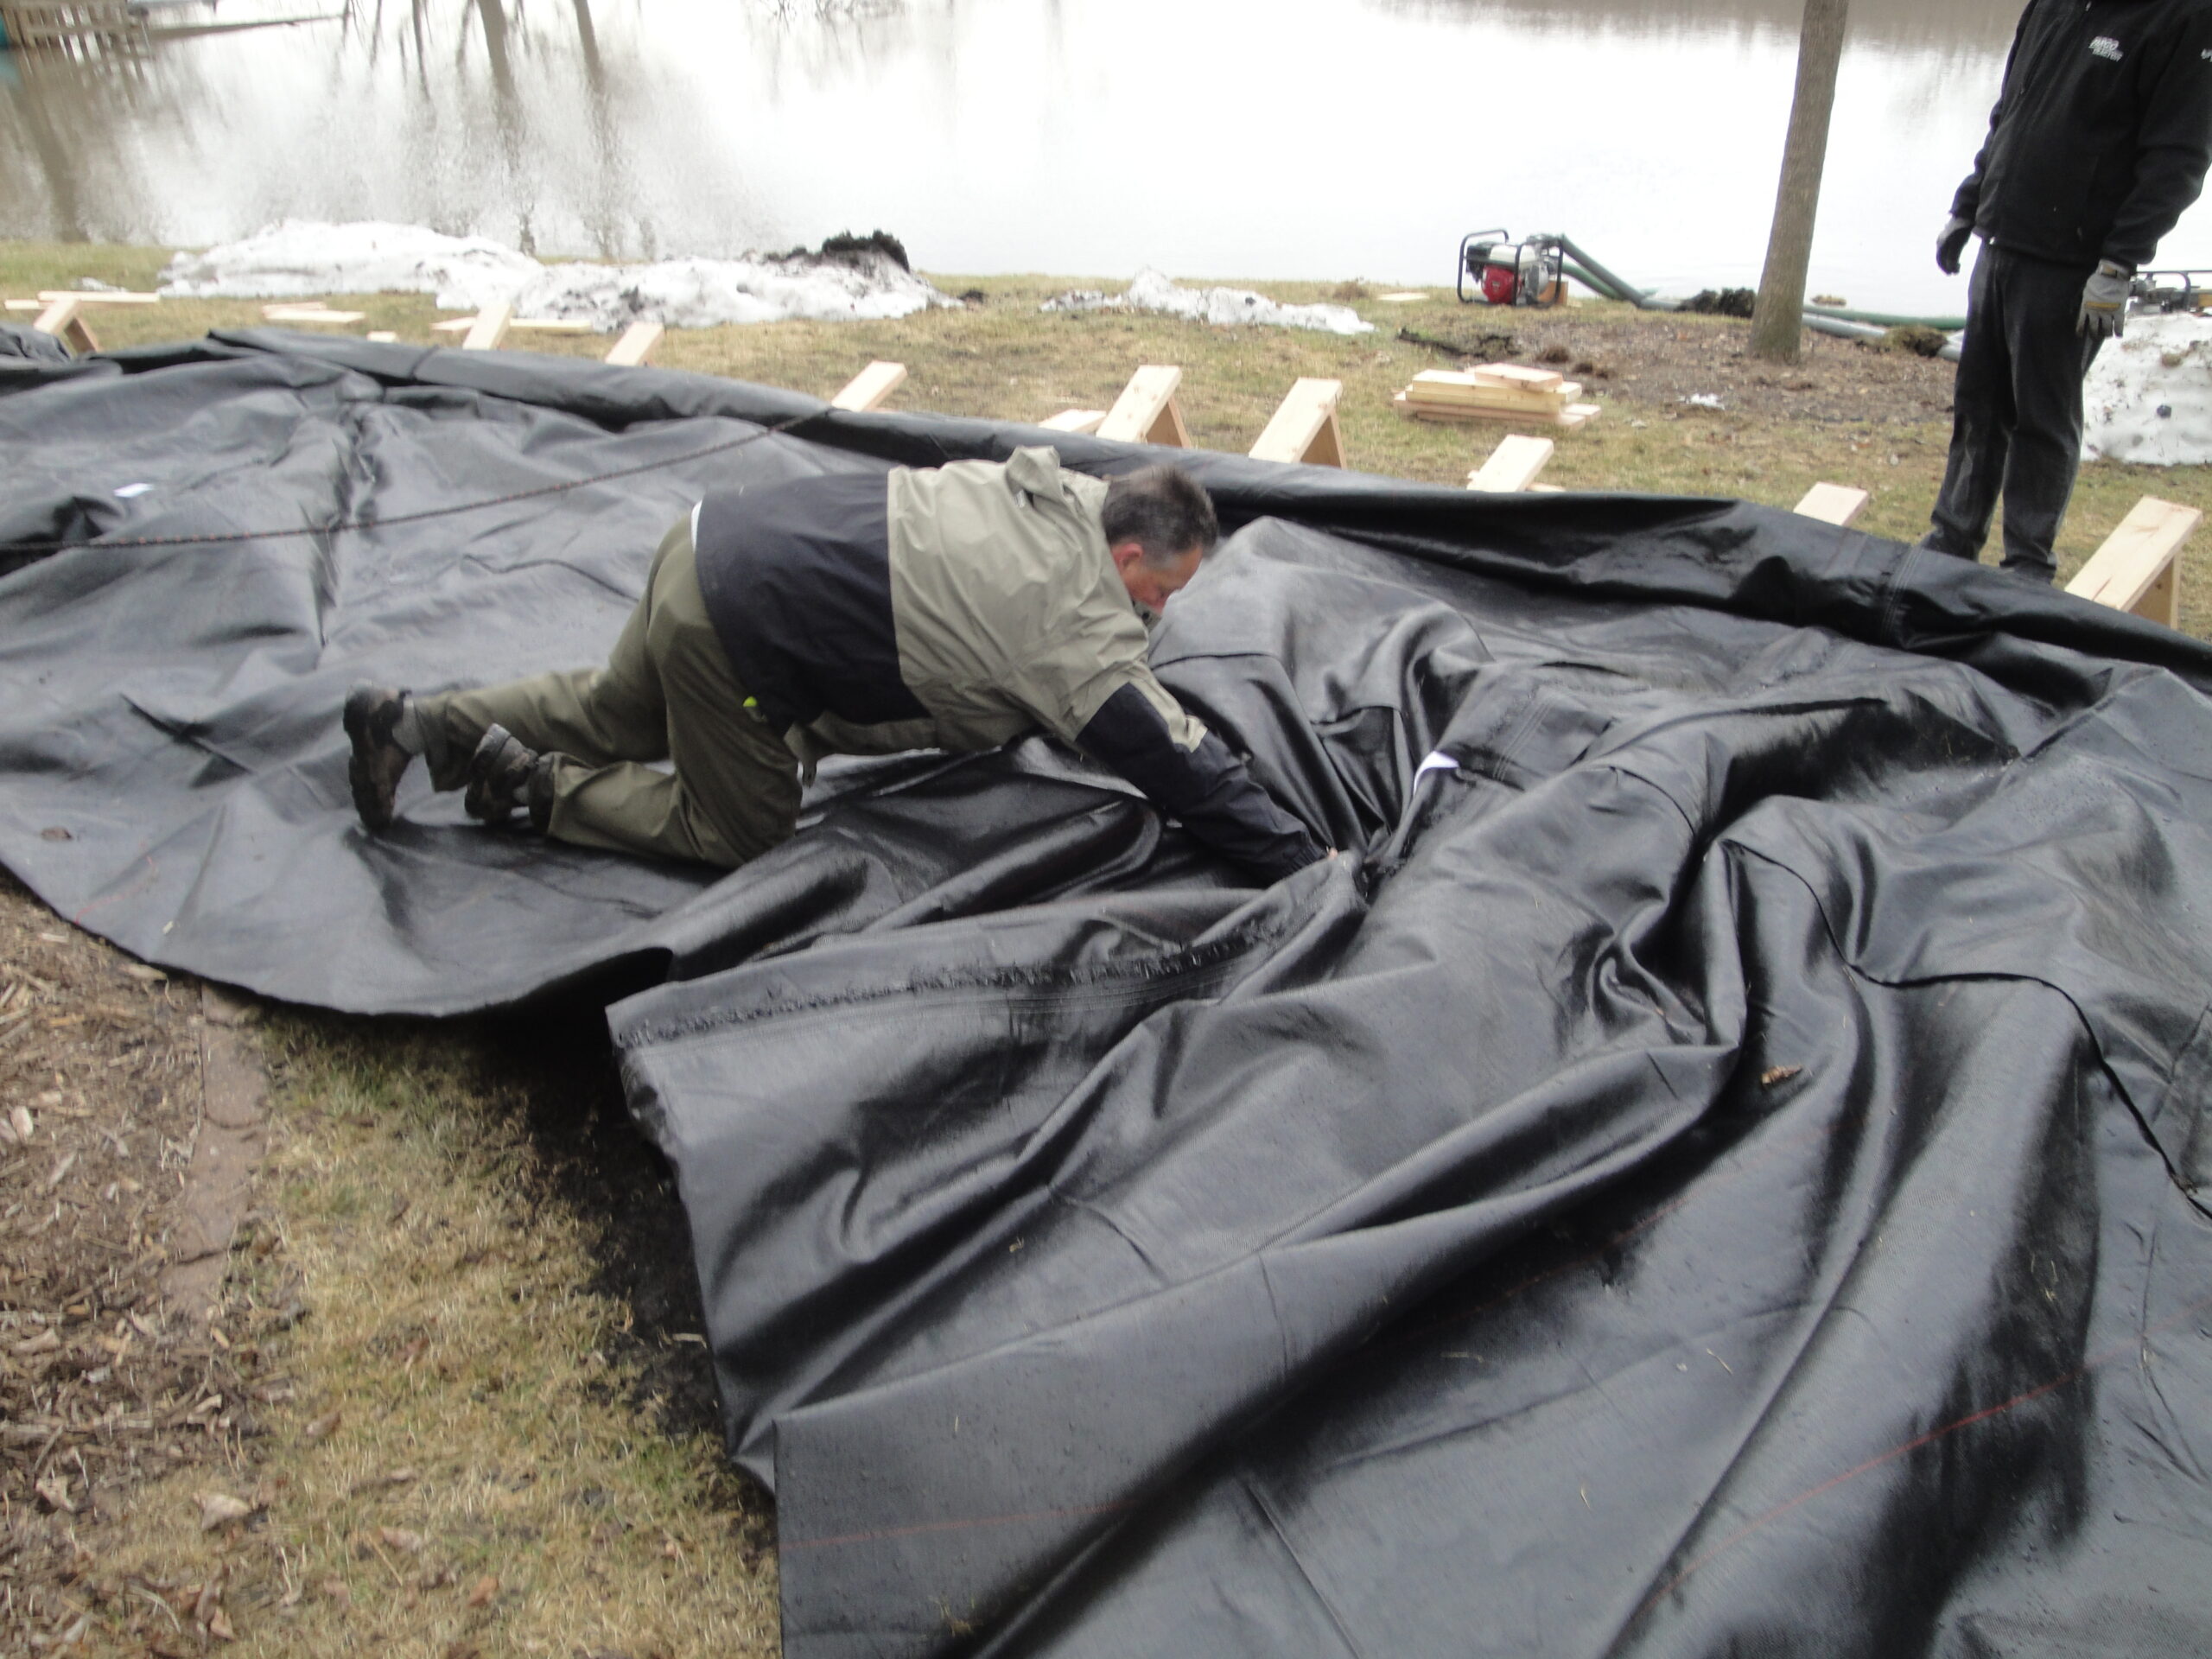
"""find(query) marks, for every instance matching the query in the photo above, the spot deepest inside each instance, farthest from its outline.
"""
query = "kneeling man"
(954, 608)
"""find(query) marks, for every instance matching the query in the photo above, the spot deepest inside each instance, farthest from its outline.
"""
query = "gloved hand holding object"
(2104, 301)
(1951, 244)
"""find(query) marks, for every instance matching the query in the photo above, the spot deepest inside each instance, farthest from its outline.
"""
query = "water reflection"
(1969, 26)
(1213, 138)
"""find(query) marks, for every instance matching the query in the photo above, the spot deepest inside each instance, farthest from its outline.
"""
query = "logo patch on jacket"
(2105, 47)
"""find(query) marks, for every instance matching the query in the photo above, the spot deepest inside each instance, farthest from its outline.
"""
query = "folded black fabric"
(1712, 1169)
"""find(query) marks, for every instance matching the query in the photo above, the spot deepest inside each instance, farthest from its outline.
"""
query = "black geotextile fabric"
(1711, 1170)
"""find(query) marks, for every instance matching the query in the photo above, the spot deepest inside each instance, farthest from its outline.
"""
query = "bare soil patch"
(1668, 361)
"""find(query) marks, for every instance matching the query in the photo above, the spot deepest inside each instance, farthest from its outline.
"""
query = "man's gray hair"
(1164, 511)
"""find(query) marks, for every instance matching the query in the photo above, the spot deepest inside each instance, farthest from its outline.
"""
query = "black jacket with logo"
(2102, 133)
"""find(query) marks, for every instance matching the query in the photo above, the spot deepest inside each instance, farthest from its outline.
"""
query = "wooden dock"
(75, 28)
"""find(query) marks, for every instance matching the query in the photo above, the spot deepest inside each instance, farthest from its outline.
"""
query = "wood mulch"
(102, 1386)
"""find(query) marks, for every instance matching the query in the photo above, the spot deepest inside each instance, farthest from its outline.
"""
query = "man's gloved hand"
(1951, 244)
(2104, 303)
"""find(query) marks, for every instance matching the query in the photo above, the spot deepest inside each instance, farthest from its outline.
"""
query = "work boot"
(500, 777)
(373, 713)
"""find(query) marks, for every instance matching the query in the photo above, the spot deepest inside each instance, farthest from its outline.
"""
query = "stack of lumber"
(1496, 391)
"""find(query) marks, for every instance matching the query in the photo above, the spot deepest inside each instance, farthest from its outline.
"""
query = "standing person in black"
(2099, 139)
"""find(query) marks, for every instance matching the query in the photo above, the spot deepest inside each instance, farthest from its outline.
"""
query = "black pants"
(2016, 423)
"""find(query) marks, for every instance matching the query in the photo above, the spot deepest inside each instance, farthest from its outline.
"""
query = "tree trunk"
(1778, 317)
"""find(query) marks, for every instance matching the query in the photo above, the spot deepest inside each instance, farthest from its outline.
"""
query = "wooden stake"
(1304, 427)
(1145, 411)
(1513, 466)
(98, 296)
(61, 318)
(2138, 568)
(870, 388)
(1832, 504)
(636, 345)
(490, 327)
(1076, 420)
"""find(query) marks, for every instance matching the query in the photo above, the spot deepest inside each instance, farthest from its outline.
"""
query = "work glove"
(1952, 243)
(2104, 301)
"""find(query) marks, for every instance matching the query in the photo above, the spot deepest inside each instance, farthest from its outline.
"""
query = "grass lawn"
(475, 1440)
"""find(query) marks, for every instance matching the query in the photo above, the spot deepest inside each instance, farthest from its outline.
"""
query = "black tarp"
(1711, 1172)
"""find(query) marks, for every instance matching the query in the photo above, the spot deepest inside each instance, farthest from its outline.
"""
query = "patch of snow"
(1150, 291)
(303, 259)
(1704, 400)
(299, 259)
(2148, 398)
(703, 293)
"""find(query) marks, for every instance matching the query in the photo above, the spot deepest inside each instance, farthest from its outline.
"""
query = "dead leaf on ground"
(21, 1121)
(400, 1538)
(336, 1591)
(482, 1593)
(325, 1425)
(391, 1478)
(54, 1489)
(1774, 1074)
(139, 970)
(219, 1626)
(219, 1508)
(47, 1342)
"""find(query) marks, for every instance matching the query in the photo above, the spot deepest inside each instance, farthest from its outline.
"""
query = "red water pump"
(1506, 272)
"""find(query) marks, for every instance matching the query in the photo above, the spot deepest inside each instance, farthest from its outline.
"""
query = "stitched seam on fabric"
(1135, 976)
(1893, 595)
(1129, 985)
(345, 525)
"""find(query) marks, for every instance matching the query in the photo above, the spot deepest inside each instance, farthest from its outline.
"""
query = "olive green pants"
(667, 693)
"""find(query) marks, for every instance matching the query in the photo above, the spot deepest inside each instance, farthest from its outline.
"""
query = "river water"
(1210, 138)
